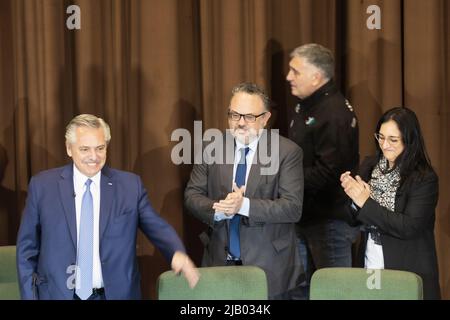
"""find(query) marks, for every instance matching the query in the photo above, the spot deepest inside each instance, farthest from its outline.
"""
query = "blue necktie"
(239, 179)
(85, 244)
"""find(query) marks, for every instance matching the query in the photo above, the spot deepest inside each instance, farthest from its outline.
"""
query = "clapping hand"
(232, 203)
(357, 189)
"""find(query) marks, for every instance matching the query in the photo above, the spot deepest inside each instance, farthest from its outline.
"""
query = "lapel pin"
(110, 183)
(310, 121)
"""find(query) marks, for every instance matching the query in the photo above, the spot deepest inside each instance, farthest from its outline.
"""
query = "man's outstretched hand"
(182, 263)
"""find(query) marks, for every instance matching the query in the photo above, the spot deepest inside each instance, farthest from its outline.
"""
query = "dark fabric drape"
(149, 67)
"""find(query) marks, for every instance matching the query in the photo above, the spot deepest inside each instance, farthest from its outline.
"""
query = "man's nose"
(288, 76)
(93, 154)
(242, 121)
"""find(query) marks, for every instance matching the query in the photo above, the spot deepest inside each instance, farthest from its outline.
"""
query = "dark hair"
(414, 160)
(252, 89)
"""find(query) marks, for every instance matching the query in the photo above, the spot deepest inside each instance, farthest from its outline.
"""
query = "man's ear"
(317, 78)
(267, 116)
(68, 149)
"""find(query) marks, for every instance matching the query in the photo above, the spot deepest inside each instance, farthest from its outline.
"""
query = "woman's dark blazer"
(407, 236)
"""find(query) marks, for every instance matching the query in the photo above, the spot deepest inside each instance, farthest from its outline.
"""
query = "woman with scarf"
(394, 197)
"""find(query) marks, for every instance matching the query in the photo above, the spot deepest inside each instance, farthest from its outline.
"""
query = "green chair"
(9, 285)
(365, 284)
(216, 283)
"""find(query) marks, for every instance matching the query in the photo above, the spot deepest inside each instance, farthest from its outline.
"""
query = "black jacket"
(325, 126)
(407, 235)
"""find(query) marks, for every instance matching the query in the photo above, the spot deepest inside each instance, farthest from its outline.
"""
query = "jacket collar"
(324, 91)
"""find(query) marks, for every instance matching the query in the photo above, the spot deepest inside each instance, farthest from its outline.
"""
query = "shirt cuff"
(355, 210)
(219, 216)
(245, 207)
(354, 206)
(243, 211)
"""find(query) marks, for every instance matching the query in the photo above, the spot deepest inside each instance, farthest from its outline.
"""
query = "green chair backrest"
(9, 285)
(365, 284)
(216, 283)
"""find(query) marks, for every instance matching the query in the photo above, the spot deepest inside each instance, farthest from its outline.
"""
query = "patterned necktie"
(85, 245)
(239, 179)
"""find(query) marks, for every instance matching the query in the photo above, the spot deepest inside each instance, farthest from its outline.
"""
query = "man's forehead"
(84, 129)
(247, 101)
(90, 137)
(88, 145)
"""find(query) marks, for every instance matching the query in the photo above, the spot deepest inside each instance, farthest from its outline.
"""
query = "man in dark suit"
(77, 238)
(251, 205)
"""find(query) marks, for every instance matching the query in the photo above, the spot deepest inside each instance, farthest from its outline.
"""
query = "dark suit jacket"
(267, 236)
(407, 235)
(46, 243)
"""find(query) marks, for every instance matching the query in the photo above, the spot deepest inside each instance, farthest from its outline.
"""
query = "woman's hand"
(357, 189)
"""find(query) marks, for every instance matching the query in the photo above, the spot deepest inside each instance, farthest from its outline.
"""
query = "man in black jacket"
(324, 124)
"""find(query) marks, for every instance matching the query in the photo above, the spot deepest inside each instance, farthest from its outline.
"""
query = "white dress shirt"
(79, 186)
(245, 207)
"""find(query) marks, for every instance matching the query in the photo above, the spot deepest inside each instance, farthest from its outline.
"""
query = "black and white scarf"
(384, 183)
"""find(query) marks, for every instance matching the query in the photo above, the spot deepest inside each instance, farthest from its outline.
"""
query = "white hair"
(86, 120)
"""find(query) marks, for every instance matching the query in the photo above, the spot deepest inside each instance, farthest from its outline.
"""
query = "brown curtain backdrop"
(149, 67)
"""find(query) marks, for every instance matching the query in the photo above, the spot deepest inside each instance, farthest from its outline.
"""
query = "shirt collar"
(80, 179)
(252, 145)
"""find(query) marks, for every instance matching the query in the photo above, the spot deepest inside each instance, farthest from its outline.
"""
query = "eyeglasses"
(393, 141)
(250, 118)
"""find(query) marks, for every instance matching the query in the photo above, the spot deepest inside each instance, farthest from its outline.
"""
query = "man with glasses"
(250, 212)
(324, 125)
